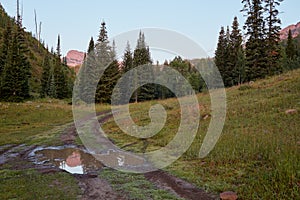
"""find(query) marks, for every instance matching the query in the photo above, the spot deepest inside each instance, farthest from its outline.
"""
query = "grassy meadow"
(257, 156)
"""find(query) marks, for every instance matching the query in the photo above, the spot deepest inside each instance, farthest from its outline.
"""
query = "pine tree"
(272, 32)
(52, 87)
(5, 44)
(16, 72)
(88, 75)
(107, 65)
(58, 50)
(45, 81)
(256, 52)
(236, 55)
(141, 56)
(91, 45)
(60, 75)
(290, 48)
(221, 54)
(127, 63)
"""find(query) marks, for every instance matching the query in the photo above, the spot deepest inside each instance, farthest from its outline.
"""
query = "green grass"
(29, 184)
(134, 186)
(33, 122)
(258, 154)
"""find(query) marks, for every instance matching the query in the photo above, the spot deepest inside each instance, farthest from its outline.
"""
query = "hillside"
(295, 29)
(35, 54)
(258, 153)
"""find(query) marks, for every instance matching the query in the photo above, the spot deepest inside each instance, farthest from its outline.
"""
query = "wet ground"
(85, 168)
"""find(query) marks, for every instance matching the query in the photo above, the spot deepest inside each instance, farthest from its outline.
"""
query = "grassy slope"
(259, 150)
(257, 155)
(35, 54)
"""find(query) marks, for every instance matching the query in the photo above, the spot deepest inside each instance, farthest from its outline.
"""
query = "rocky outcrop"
(295, 29)
(74, 58)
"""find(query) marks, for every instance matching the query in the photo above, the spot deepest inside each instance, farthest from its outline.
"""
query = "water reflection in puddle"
(72, 160)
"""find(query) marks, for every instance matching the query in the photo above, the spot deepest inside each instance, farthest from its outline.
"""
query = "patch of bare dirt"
(177, 186)
(96, 188)
(91, 185)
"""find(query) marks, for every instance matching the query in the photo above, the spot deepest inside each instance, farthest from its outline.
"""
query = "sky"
(76, 21)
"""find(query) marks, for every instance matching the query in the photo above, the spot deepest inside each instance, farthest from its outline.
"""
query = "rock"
(291, 111)
(206, 117)
(295, 29)
(74, 58)
(229, 195)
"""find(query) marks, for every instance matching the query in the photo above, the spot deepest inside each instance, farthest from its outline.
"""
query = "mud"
(177, 186)
(20, 157)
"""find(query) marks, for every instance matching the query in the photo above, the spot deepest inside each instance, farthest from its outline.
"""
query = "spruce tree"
(60, 75)
(5, 44)
(127, 63)
(91, 46)
(88, 76)
(141, 56)
(290, 47)
(16, 72)
(107, 65)
(58, 50)
(256, 52)
(272, 34)
(236, 55)
(45, 81)
(52, 87)
(221, 54)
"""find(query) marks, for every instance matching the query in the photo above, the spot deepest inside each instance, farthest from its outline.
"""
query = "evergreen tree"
(58, 50)
(106, 58)
(290, 48)
(5, 44)
(52, 87)
(88, 76)
(141, 56)
(60, 75)
(256, 52)
(221, 54)
(127, 63)
(45, 81)
(91, 46)
(16, 72)
(236, 56)
(272, 32)
(184, 68)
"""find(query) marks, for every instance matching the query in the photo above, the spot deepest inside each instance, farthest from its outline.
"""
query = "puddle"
(72, 160)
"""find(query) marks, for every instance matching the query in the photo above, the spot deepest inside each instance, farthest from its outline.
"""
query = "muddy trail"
(22, 157)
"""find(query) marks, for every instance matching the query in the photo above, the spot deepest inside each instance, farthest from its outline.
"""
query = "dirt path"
(92, 186)
(95, 188)
(177, 186)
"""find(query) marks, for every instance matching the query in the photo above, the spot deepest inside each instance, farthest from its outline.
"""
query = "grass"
(134, 186)
(258, 154)
(31, 122)
(29, 184)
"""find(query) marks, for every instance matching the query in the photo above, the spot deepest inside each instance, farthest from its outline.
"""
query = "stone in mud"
(229, 195)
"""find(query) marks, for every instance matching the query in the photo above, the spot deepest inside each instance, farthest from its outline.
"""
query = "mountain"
(74, 58)
(294, 28)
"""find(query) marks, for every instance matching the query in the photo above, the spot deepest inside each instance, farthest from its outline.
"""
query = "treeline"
(27, 68)
(56, 80)
(14, 65)
(92, 88)
(262, 53)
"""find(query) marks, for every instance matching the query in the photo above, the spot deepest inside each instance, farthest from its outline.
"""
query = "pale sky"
(77, 21)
